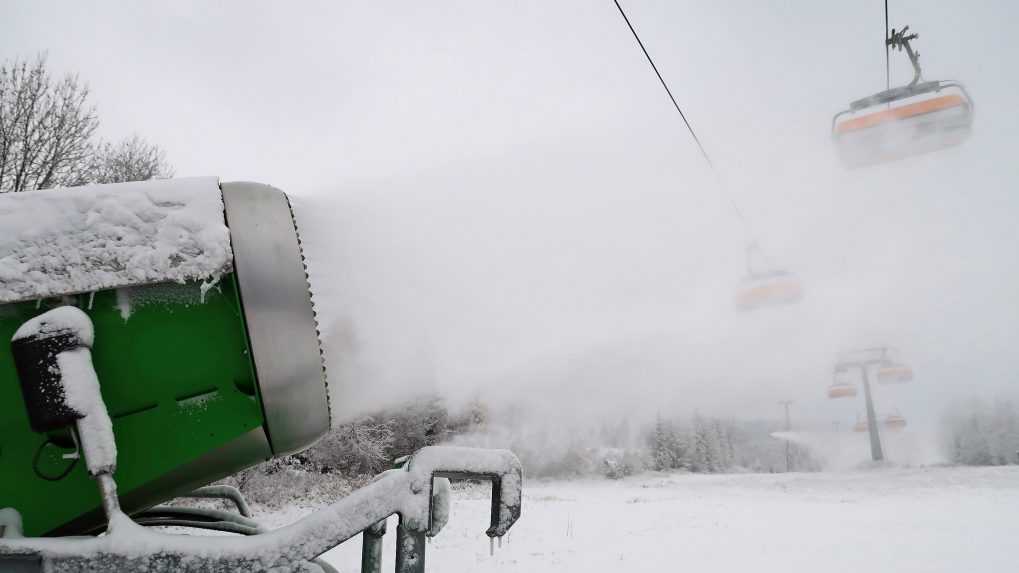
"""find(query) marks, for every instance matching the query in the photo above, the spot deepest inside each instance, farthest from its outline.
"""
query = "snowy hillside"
(901, 520)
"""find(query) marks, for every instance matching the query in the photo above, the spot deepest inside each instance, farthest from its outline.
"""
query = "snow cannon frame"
(203, 375)
(417, 493)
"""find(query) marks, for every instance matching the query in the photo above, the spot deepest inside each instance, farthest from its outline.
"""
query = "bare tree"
(45, 127)
(355, 448)
(46, 130)
(133, 159)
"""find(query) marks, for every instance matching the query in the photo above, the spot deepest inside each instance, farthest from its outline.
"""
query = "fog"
(497, 200)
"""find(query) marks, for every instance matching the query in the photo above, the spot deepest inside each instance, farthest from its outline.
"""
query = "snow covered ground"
(902, 520)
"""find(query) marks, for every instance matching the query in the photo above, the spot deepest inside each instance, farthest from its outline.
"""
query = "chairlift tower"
(887, 370)
(788, 427)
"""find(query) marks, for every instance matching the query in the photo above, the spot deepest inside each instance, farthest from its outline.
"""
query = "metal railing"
(418, 493)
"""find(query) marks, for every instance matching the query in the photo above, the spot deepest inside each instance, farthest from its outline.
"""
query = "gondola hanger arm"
(900, 40)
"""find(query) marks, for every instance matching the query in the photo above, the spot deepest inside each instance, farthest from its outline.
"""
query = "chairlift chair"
(895, 422)
(841, 387)
(919, 117)
(771, 287)
(894, 373)
(841, 391)
(768, 289)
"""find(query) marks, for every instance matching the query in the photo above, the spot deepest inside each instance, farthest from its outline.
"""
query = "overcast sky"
(497, 198)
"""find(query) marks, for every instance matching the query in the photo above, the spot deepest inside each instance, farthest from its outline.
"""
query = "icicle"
(206, 286)
(123, 303)
(491, 546)
(500, 542)
(91, 297)
(38, 303)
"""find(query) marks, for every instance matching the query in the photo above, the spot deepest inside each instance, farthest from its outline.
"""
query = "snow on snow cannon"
(205, 339)
(165, 330)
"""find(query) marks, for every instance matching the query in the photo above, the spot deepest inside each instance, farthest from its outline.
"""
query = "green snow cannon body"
(206, 343)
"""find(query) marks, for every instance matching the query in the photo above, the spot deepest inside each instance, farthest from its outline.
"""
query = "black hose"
(38, 456)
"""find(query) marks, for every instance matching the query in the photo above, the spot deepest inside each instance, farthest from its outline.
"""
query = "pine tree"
(703, 454)
(682, 449)
(726, 455)
(1004, 434)
(661, 446)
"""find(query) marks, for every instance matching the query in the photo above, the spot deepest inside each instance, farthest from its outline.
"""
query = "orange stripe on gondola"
(895, 114)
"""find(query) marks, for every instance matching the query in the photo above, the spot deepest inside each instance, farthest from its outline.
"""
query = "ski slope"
(901, 520)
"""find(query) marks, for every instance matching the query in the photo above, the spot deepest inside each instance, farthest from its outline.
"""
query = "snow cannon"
(164, 333)
(205, 341)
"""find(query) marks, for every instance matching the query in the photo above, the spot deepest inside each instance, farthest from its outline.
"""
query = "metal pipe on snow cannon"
(52, 354)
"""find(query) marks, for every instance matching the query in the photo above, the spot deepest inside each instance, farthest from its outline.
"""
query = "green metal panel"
(177, 378)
